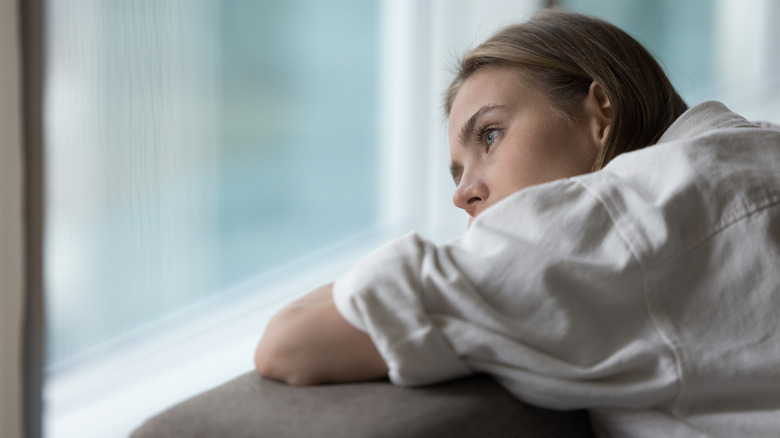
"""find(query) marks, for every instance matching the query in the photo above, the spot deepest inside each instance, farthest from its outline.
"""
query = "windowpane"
(711, 50)
(194, 144)
(678, 33)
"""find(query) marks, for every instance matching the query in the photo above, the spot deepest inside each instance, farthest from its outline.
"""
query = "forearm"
(309, 342)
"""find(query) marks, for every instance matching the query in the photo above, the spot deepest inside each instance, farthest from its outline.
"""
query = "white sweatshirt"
(647, 292)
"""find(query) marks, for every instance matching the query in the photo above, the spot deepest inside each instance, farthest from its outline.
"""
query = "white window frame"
(752, 91)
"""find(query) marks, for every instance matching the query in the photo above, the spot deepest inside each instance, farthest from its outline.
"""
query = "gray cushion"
(251, 406)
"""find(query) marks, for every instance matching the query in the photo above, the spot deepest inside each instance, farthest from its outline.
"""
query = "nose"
(470, 194)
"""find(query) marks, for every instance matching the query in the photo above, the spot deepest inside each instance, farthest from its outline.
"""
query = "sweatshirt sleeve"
(542, 292)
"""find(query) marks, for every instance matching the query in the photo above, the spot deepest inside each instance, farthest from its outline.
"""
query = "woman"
(639, 284)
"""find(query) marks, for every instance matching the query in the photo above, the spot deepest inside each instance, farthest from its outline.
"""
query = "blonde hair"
(562, 53)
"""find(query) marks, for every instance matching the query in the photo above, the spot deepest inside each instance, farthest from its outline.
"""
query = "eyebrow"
(472, 121)
(456, 170)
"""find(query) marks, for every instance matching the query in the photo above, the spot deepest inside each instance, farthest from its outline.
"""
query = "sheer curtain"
(11, 225)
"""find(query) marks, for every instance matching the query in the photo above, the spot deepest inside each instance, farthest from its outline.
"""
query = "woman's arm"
(308, 342)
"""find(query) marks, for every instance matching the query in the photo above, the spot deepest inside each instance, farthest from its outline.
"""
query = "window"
(196, 144)
(205, 161)
(712, 50)
(208, 160)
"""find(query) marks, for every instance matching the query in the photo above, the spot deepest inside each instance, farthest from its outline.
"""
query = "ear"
(599, 113)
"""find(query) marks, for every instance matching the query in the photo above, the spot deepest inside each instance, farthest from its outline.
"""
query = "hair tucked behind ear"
(563, 53)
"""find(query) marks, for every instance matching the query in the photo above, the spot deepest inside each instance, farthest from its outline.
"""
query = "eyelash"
(481, 134)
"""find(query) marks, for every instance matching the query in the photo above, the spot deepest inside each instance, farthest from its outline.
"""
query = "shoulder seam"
(728, 221)
(671, 344)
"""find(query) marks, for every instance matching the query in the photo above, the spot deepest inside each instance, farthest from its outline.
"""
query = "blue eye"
(491, 136)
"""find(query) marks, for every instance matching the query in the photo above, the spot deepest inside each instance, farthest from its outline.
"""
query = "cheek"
(570, 151)
(534, 161)
(557, 150)
(524, 158)
(512, 173)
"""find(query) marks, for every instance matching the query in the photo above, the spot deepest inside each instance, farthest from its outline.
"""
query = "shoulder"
(710, 167)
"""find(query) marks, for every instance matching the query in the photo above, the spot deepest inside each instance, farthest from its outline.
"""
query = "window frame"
(197, 348)
(127, 380)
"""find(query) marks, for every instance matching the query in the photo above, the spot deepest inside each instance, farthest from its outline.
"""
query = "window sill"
(112, 390)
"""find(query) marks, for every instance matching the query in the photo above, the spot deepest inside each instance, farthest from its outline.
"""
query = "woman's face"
(504, 137)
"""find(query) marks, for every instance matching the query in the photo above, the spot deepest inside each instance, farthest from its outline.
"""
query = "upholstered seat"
(251, 406)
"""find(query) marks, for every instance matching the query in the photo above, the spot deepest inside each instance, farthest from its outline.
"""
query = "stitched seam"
(770, 202)
(673, 346)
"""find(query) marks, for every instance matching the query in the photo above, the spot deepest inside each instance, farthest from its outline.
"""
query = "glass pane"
(722, 50)
(194, 144)
(679, 34)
